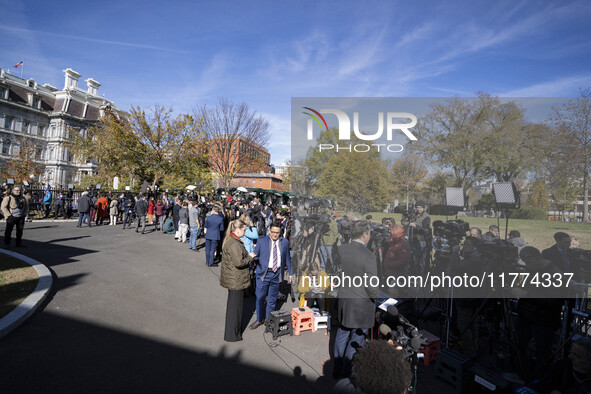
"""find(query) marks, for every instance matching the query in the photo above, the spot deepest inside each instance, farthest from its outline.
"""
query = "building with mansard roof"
(43, 115)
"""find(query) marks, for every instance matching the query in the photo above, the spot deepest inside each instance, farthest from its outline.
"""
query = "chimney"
(71, 79)
(92, 86)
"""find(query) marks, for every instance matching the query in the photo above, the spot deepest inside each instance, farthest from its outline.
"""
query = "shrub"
(527, 212)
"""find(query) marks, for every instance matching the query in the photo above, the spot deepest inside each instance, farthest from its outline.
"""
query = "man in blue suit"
(272, 256)
(214, 226)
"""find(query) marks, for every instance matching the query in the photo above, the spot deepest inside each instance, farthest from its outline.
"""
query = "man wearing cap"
(14, 208)
(515, 239)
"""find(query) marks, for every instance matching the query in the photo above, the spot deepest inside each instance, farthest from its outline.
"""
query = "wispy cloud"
(568, 86)
(90, 39)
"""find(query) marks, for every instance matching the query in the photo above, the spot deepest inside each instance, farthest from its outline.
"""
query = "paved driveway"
(142, 313)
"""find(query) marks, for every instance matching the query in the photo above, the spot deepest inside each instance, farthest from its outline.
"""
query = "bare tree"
(235, 138)
(407, 175)
(572, 151)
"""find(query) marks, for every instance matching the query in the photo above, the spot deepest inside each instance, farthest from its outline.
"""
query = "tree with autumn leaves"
(153, 145)
(25, 162)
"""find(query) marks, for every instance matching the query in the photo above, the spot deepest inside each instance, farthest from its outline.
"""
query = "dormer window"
(35, 103)
(2, 92)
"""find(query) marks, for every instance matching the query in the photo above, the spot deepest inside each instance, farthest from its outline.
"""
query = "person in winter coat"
(114, 212)
(15, 208)
(160, 212)
(151, 206)
(102, 209)
(235, 277)
(47, 198)
(128, 211)
(396, 260)
(84, 206)
(250, 234)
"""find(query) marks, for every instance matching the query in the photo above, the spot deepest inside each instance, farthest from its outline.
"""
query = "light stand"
(455, 199)
(506, 197)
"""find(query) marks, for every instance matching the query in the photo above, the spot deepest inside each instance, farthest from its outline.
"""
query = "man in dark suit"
(214, 226)
(356, 309)
(272, 256)
(141, 210)
(560, 254)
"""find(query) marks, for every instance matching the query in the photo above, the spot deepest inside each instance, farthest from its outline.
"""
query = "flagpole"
(22, 68)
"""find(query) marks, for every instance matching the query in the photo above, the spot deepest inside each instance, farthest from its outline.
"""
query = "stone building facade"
(43, 115)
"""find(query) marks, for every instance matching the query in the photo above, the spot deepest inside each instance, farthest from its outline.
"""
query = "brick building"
(261, 180)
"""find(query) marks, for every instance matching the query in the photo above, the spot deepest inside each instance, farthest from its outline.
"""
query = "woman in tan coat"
(113, 211)
(234, 276)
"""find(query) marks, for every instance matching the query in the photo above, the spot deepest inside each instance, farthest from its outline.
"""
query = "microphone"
(385, 330)
(415, 344)
(392, 310)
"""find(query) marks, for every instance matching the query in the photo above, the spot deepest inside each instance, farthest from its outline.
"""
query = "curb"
(18, 316)
(47, 221)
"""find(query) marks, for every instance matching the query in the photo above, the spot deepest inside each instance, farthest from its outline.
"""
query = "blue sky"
(186, 53)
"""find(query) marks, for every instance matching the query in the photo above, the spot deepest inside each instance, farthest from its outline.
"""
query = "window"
(8, 122)
(26, 127)
(40, 130)
(35, 102)
(6, 147)
(2, 92)
(39, 153)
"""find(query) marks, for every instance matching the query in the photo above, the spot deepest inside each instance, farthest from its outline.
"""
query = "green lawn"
(537, 233)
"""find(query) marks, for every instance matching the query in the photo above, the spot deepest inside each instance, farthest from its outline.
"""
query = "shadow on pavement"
(77, 356)
(50, 253)
(68, 239)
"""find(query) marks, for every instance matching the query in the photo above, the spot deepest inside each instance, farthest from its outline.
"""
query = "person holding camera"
(419, 231)
(14, 208)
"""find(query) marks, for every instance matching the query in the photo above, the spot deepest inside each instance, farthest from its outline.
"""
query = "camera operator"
(370, 221)
(420, 234)
(378, 367)
(356, 305)
(492, 234)
(537, 318)
(344, 229)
